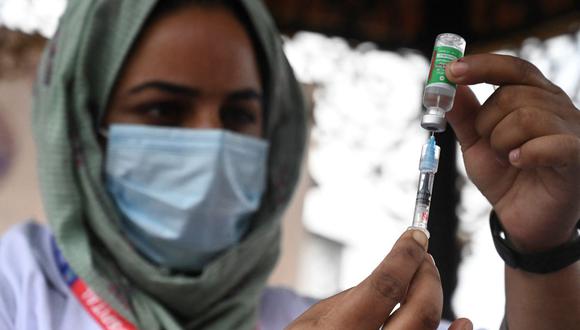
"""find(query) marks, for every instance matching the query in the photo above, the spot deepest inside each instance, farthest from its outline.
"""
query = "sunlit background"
(360, 177)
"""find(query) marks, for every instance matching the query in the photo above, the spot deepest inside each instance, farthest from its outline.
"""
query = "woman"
(193, 65)
(170, 135)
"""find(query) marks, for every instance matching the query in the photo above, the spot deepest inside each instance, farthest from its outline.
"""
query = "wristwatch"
(541, 262)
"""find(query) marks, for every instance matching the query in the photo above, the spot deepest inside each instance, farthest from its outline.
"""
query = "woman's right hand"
(407, 276)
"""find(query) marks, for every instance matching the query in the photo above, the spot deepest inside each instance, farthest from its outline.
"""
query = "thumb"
(461, 324)
(462, 117)
(368, 305)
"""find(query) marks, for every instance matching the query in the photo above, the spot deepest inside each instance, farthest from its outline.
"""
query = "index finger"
(497, 70)
(368, 305)
(424, 303)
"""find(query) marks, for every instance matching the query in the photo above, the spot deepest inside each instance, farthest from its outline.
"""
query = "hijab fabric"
(77, 73)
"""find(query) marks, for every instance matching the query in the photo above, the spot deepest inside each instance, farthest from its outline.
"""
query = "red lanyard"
(102, 313)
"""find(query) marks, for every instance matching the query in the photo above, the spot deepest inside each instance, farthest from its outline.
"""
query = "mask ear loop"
(103, 132)
(103, 138)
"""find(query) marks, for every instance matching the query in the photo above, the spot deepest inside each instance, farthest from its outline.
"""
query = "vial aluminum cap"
(433, 123)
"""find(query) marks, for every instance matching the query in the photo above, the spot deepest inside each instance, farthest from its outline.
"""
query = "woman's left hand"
(521, 147)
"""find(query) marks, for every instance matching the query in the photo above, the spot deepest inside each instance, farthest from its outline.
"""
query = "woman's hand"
(521, 148)
(407, 276)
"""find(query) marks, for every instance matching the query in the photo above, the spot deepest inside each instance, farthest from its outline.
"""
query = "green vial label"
(441, 56)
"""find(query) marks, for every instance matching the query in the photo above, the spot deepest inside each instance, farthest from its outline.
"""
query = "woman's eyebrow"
(246, 94)
(166, 87)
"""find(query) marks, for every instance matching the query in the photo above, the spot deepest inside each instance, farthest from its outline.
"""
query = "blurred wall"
(19, 193)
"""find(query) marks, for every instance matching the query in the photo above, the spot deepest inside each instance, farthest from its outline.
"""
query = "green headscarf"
(78, 70)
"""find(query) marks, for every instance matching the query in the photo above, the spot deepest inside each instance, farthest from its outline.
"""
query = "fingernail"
(459, 68)
(515, 155)
(434, 264)
(420, 238)
(468, 326)
(432, 260)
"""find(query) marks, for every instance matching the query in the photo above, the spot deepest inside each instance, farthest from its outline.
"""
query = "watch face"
(5, 149)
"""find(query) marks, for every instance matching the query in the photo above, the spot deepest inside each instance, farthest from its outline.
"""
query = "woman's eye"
(162, 113)
(236, 117)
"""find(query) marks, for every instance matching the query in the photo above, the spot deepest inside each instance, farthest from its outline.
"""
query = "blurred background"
(363, 65)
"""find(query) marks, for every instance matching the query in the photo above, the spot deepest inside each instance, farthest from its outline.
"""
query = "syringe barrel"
(423, 200)
(425, 187)
(427, 168)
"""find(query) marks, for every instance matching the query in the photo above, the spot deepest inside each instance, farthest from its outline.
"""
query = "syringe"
(427, 167)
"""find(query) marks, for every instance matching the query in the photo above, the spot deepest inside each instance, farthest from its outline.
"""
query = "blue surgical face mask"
(186, 194)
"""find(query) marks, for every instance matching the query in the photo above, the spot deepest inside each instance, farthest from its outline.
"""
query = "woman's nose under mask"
(186, 194)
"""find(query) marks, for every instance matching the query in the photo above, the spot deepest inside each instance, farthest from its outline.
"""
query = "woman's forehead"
(194, 44)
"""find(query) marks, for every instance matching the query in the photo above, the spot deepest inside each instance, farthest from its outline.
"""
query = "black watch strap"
(542, 262)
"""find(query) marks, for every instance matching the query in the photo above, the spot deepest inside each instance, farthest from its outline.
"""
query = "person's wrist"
(532, 239)
(525, 245)
(540, 262)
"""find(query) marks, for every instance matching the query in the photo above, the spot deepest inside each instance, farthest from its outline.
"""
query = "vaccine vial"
(439, 91)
